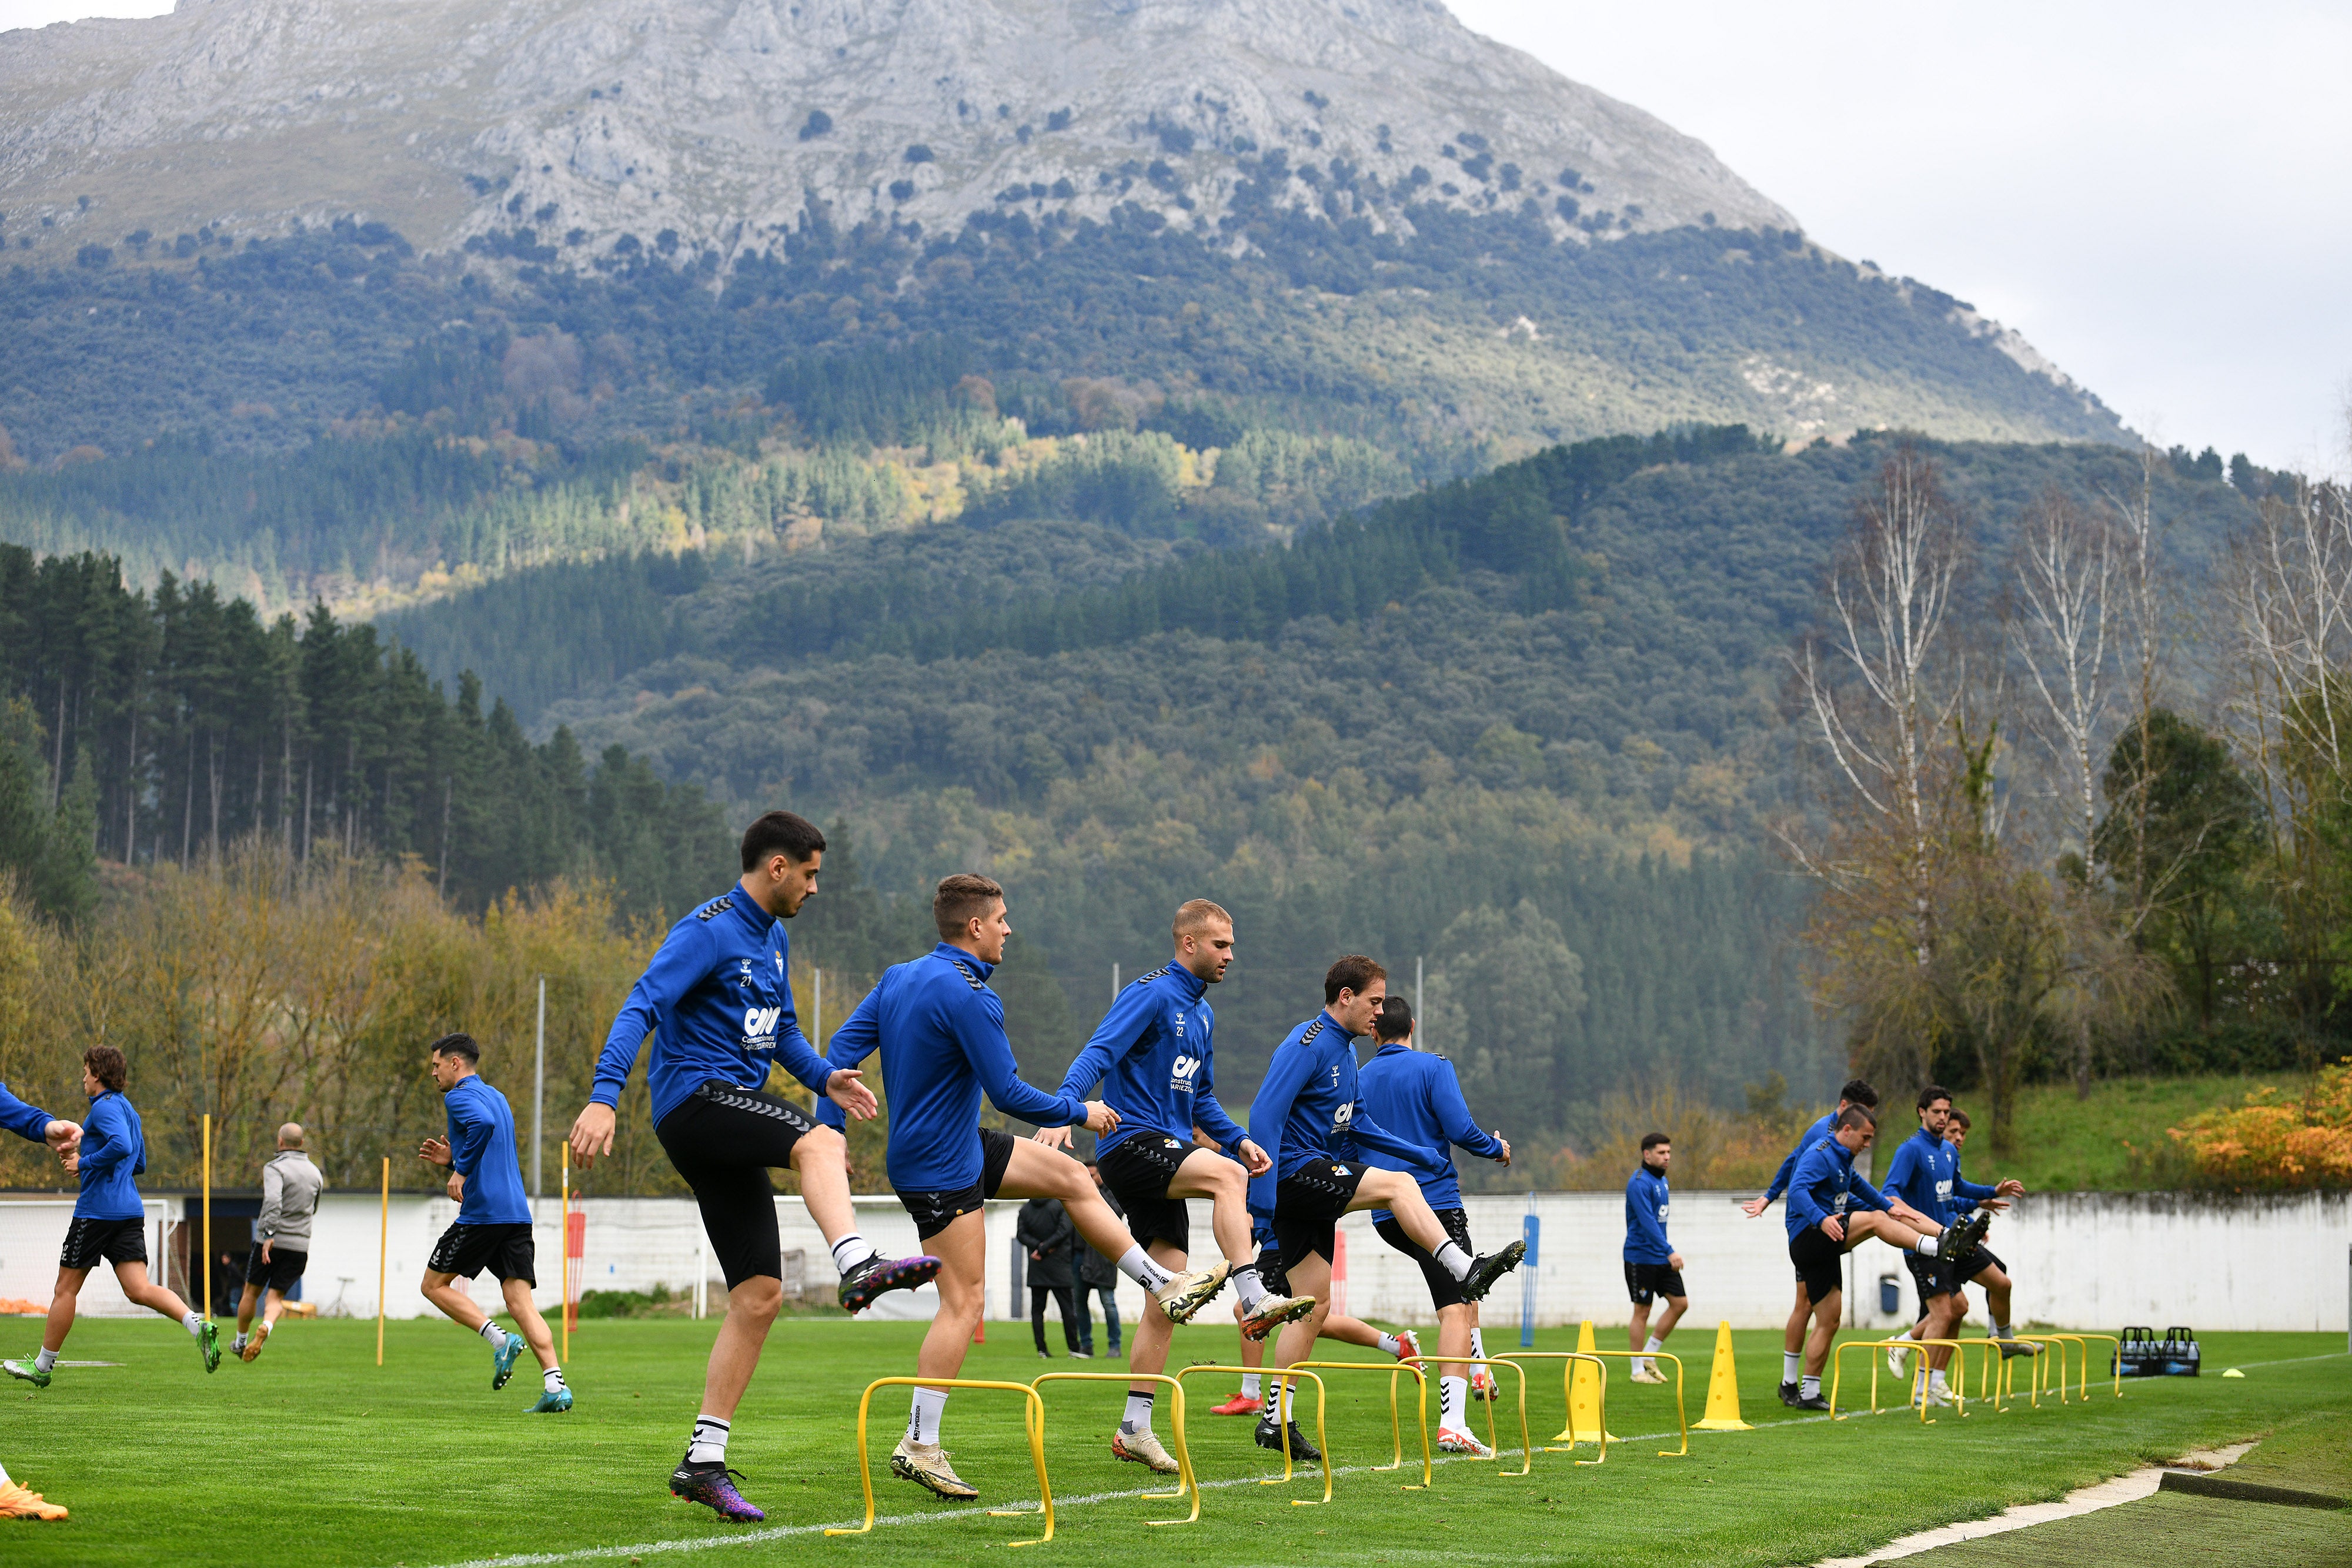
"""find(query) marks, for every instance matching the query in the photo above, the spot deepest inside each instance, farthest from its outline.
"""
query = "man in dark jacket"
(1045, 1233)
(1099, 1276)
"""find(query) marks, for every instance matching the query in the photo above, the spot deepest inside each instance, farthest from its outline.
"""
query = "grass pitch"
(313, 1456)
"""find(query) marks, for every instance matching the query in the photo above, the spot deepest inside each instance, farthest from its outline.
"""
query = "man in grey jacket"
(290, 1185)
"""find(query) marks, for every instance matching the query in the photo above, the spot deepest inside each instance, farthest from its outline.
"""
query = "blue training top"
(113, 1152)
(1826, 1183)
(26, 1121)
(941, 1034)
(1925, 1174)
(1821, 1129)
(1152, 1054)
(482, 1150)
(1306, 1109)
(1645, 1218)
(718, 999)
(1415, 1095)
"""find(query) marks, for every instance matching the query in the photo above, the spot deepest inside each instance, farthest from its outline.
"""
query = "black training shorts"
(280, 1273)
(1270, 1267)
(1821, 1263)
(1307, 1205)
(935, 1211)
(90, 1242)
(465, 1250)
(1935, 1277)
(723, 1139)
(1444, 1290)
(1138, 1172)
(1644, 1282)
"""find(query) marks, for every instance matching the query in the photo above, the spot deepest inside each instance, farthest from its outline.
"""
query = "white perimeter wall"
(2081, 1259)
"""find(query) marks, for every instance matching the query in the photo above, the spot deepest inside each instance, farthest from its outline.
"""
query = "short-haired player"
(1309, 1118)
(941, 1031)
(1824, 1224)
(1653, 1270)
(493, 1226)
(1416, 1095)
(1154, 1055)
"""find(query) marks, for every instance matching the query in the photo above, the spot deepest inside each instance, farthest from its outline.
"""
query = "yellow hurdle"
(1396, 1434)
(1918, 1380)
(1186, 1481)
(1683, 1452)
(1568, 1360)
(1322, 1442)
(1527, 1444)
(2114, 1360)
(1035, 1413)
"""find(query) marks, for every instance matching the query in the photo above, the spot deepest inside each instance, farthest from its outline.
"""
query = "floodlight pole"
(1114, 982)
(539, 1098)
(1420, 1017)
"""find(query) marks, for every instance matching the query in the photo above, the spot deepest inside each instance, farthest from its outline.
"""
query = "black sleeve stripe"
(719, 905)
(1312, 1030)
(974, 981)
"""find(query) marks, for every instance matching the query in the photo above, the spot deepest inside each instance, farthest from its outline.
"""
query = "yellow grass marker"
(1722, 1389)
(1584, 1394)
(383, 1249)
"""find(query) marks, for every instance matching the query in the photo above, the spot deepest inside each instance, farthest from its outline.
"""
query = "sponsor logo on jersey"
(759, 1027)
(1181, 1075)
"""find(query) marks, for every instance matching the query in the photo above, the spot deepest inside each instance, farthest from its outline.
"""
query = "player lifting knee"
(1823, 1227)
(941, 1031)
(1416, 1095)
(718, 1001)
(1925, 1174)
(1308, 1119)
(1154, 1056)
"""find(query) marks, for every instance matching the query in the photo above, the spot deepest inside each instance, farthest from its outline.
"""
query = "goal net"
(33, 1235)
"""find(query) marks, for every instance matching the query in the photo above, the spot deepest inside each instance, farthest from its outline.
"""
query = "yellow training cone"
(1584, 1395)
(1722, 1390)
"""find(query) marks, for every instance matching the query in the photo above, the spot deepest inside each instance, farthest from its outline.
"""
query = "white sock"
(1253, 1289)
(1138, 1413)
(2002, 1331)
(923, 1425)
(1655, 1345)
(850, 1251)
(1810, 1388)
(552, 1379)
(1457, 1261)
(238, 1342)
(1453, 1396)
(1927, 1246)
(1393, 1345)
(194, 1325)
(45, 1360)
(1250, 1386)
(708, 1445)
(1793, 1366)
(495, 1336)
(1138, 1265)
(1936, 1379)
(1478, 1343)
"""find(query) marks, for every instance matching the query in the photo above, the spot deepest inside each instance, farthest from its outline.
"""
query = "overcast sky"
(2158, 194)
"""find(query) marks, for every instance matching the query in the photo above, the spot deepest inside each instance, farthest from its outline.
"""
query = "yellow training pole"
(564, 1254)
(382, 1248)
(208, 1217)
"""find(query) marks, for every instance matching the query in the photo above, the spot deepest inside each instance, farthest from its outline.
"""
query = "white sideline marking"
(2128, 1488)
(782, 1531)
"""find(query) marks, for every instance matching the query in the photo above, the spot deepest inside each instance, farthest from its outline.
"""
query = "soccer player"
(109, 1220)
(290, 1186)
(1989, 1271)
(941, 1031)
(493, 1226)
(1416, 1095)
(1307, 1118)
(1823, 1228)
(1925, 1173)
(1653, 1268)
(35, 1125)
(1857, 1091)
(718, 1001)
(1154, 1055)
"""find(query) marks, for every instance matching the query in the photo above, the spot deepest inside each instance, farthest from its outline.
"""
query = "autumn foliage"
(2272, 1141)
